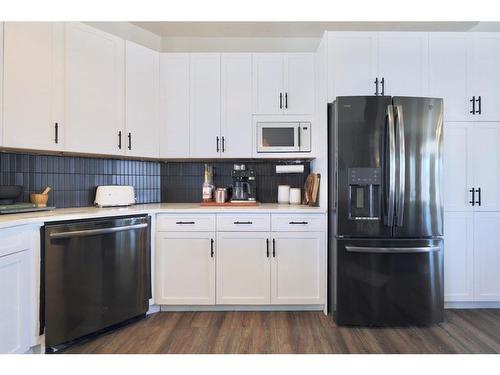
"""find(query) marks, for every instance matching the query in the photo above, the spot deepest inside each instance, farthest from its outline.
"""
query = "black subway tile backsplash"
(74, 179)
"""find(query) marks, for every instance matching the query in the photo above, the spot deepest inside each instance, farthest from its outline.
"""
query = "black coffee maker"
(243, 189)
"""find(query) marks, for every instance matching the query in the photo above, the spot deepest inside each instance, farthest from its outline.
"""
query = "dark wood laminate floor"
(464, 331)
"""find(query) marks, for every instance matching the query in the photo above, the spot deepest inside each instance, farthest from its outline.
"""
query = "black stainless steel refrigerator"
(385, 211)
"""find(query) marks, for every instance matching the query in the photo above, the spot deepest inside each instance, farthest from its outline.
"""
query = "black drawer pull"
(243, 222)
(298, 222)
(184, 222)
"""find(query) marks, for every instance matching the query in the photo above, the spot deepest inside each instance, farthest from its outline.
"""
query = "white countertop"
(60, 214)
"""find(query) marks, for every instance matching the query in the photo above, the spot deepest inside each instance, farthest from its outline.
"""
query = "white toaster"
(114, 195)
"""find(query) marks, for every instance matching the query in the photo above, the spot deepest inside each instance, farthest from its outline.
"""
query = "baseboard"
(241, 308)
(153, 309)
(472, 305)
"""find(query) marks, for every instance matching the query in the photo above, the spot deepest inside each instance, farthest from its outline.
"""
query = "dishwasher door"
(96, 274)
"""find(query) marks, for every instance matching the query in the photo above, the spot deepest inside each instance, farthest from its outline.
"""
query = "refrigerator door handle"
(390, 190)
(401, 178)
(391, 250)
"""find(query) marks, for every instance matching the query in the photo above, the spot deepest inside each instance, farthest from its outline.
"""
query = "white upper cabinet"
(95, 75)
(299, 83)
(268, 83)
(33, 85)
(486, 256)
(1, 82)
(458, 168)
(283, 83)
(484, 75)
(403, 63)
(448, 73)
(142, 101)
(352, 64)
(205, 98)
(458, 257)
(236, 105)
(174, 105)
(486, 165)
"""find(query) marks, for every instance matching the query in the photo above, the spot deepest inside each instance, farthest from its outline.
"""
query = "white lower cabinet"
(487, 256)
(246, 264)
(185, 268)
(243, 268)
(297, 268)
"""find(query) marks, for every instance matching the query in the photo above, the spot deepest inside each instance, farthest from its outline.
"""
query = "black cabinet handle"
(56, 131)
(478, 191)
(217, 141)
(184, 222)
(211, 247)
(223, 144)
(376, 86)
(267, 247)
(473, 101)
(281, 100)
(274, 248)
(129, 141)
(479, 105)
(473, 201)
(298, 136)
(383, 86)
(242, 222)
(286, 100)
(120, 140)
(298, 222)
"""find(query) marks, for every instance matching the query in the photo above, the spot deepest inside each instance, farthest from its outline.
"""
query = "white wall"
(130, 32)
(223, 44)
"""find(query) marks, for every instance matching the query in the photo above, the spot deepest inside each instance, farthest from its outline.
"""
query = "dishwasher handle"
(93, 232)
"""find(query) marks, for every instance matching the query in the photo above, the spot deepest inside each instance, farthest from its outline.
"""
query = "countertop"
(61, 214)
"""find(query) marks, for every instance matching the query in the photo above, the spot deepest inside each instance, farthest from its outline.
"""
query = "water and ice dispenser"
(364, 193)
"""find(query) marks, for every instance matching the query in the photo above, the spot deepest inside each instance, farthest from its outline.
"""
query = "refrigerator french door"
(386, 214)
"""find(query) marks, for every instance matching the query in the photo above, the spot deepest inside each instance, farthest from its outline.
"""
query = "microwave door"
(278, 138)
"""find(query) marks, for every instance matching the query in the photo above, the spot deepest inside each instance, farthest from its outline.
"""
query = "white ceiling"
(299, 29)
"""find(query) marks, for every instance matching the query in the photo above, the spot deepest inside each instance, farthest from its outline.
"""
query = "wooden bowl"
(39, 199)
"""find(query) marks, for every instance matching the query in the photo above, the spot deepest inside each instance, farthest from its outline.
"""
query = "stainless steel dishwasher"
(95, 275)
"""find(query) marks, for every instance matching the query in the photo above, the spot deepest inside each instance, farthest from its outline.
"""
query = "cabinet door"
(33, 85)
(352, 60)
(458, 172)
(185, 270)
(243, 268)
(458, 257)
(486, 256)
(299, 83)
(403, 63)
(486, 165)
(484, 77)
(297, 268)
(205, 140)
(1, 83)
(174, 88)
(236, 105)
(448, 74)
(15, 309)
(268, 95)
(142, 101)
(95, 77)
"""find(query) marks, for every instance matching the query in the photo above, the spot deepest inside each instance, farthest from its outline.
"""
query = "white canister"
(295, 196)
(283, 194)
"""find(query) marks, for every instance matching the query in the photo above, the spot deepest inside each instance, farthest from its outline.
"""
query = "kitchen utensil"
(295, 196)
(46, 190)
(220, 195)
(9, 193)
(284, 194)
(39, 199)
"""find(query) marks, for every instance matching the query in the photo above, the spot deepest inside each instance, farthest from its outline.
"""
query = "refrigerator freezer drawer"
(389, 282)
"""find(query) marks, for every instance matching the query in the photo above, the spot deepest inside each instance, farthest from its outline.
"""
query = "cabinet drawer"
(15, 239)
(297, 223)
(243, 223)
(186, 223)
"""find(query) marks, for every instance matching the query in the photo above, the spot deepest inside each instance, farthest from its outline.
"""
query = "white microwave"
(283, 137)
